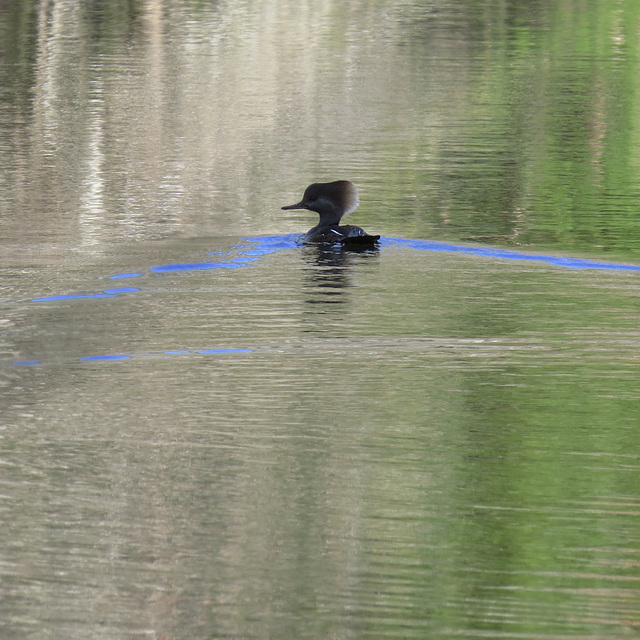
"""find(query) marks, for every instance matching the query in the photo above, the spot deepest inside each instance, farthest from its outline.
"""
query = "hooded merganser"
(332, 200)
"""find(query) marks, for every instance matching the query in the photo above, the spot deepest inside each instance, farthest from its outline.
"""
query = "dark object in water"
(331, 201)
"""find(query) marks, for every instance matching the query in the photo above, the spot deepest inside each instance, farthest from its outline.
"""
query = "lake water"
(208, 430)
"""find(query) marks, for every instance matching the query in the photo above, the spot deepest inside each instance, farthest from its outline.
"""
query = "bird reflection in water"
(328, 271)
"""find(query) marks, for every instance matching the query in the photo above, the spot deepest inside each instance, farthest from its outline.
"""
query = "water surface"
(209, 430)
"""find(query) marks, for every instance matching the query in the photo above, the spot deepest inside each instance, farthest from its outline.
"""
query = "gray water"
(208, 430)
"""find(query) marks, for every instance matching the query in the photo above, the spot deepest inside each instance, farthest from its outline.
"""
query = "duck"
(331, 201)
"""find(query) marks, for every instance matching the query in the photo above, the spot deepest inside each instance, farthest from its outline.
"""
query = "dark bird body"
(331, 201)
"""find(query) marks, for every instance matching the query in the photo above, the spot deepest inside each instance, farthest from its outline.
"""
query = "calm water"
(209, 431)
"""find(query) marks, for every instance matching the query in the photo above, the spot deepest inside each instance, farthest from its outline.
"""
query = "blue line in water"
(122, 290)
(488, 252)
(271, 244)
(264, 245)
(74, 296)
(268, 244)
(122, 356)
(252, 249)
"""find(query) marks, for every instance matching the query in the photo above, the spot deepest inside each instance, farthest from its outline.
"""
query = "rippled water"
(209, 430)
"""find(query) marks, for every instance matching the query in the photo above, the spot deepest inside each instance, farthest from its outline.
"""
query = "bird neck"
(329, 218)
